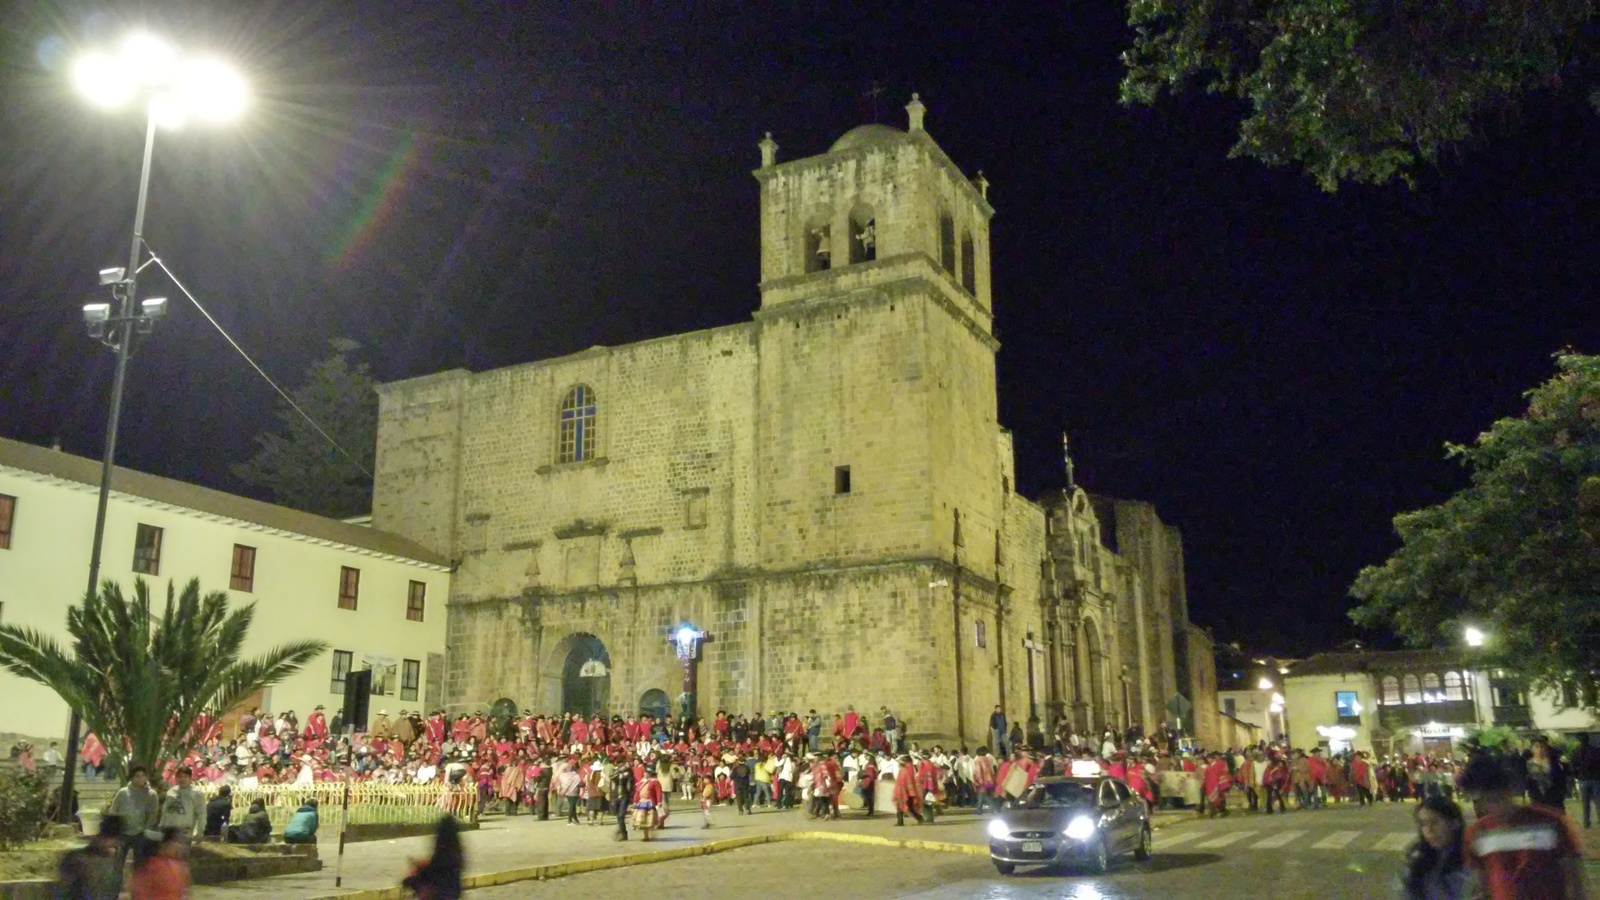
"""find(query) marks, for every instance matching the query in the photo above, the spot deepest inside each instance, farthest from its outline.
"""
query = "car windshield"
(1060, 794)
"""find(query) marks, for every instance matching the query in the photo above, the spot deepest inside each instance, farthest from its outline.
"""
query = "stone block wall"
(866, 636)
(418, 459)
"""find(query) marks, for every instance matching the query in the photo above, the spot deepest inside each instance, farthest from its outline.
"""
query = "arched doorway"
(1092, 658)
(655, 703)
(583, 668)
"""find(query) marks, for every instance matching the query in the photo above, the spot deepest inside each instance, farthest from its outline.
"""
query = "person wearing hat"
(648, 801)
(867, 783)
(907, 798)
(318, 723)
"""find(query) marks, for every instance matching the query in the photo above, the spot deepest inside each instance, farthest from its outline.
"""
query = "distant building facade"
(1416, 701)
(377, 599)
(825, 491)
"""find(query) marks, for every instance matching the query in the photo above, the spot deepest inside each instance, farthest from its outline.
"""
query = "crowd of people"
(631, 771)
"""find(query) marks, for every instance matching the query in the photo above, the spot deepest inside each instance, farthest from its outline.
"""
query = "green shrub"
(23, 806)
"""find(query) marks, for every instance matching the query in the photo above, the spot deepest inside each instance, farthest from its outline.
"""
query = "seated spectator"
(302, 827)
(256, 827)
(219, 810)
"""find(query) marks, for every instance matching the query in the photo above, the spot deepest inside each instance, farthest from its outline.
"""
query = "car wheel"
(1141, 851)
(1099, 858)
(1004, 868)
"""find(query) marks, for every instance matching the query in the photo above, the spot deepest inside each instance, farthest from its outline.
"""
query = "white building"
(1261, 708)
(378, 600)
(1414, 701)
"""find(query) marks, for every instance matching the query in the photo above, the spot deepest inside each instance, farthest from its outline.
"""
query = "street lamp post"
(173, 89)
(686, 642)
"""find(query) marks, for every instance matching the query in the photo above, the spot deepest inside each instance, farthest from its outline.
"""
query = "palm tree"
(140, 681)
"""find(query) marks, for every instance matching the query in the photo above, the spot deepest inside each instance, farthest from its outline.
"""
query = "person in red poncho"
(318, 723)
(1318, 769)
(1136, 782)
(907, 798)
(1277, 781)
(1362, 779)
(1215, 785)
(648, 798)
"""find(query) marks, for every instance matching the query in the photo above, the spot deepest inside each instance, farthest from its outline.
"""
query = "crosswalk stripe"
(1277, 840)
(1226, 839)
(1336, 841)
(1167, 840)
(1398, 840)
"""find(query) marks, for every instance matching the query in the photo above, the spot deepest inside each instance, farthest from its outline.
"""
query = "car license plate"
(1032, 846)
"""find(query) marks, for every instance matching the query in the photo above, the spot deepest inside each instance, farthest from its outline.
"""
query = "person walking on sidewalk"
(568, 785)
(622, 788)
(439, 878)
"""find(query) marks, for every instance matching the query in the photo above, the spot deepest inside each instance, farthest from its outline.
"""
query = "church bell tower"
(876, 354)
(881, 205)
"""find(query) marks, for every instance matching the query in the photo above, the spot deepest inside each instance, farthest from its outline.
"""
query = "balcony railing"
(1447, 712)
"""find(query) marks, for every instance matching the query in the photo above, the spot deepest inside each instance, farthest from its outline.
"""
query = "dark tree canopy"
(1358, 91)
(1517, 552)
(298, 467)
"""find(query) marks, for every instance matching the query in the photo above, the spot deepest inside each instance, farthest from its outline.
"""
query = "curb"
(602, 863)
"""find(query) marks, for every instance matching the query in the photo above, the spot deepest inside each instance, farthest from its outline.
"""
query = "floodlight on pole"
(1474, 636)
(172, 89)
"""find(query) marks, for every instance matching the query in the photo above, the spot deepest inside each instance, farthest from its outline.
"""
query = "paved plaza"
(1339, 852)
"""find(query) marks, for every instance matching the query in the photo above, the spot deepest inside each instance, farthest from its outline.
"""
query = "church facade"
(825, 491)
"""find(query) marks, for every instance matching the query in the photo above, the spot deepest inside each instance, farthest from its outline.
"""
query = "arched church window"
(863, 235)
(1412, 689)
(818, 247)
(969, 266)
(577, 425)
(947, 243)
(1453, 689)
(1391, 690)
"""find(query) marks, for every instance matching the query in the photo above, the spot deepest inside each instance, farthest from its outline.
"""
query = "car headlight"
(1081, 829)
(998, 829)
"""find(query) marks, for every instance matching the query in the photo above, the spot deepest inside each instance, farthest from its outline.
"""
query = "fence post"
(344, 828)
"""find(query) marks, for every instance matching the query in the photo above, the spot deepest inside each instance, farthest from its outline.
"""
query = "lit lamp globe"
(1474, 636)
(176, 88)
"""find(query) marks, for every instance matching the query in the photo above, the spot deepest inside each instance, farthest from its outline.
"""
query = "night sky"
(481, 184)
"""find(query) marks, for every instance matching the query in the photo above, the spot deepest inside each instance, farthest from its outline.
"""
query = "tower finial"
(1066, 457)
(769, 151)
(915, 110)
(982, 184)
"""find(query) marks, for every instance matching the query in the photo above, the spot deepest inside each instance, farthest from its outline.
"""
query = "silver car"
(1070, 822)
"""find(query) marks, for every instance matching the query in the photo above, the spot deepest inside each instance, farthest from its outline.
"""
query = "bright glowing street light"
(175, 88)
(1473, 636)
(1264, 684)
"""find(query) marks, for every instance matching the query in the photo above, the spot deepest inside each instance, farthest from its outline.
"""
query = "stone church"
(825, 491)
